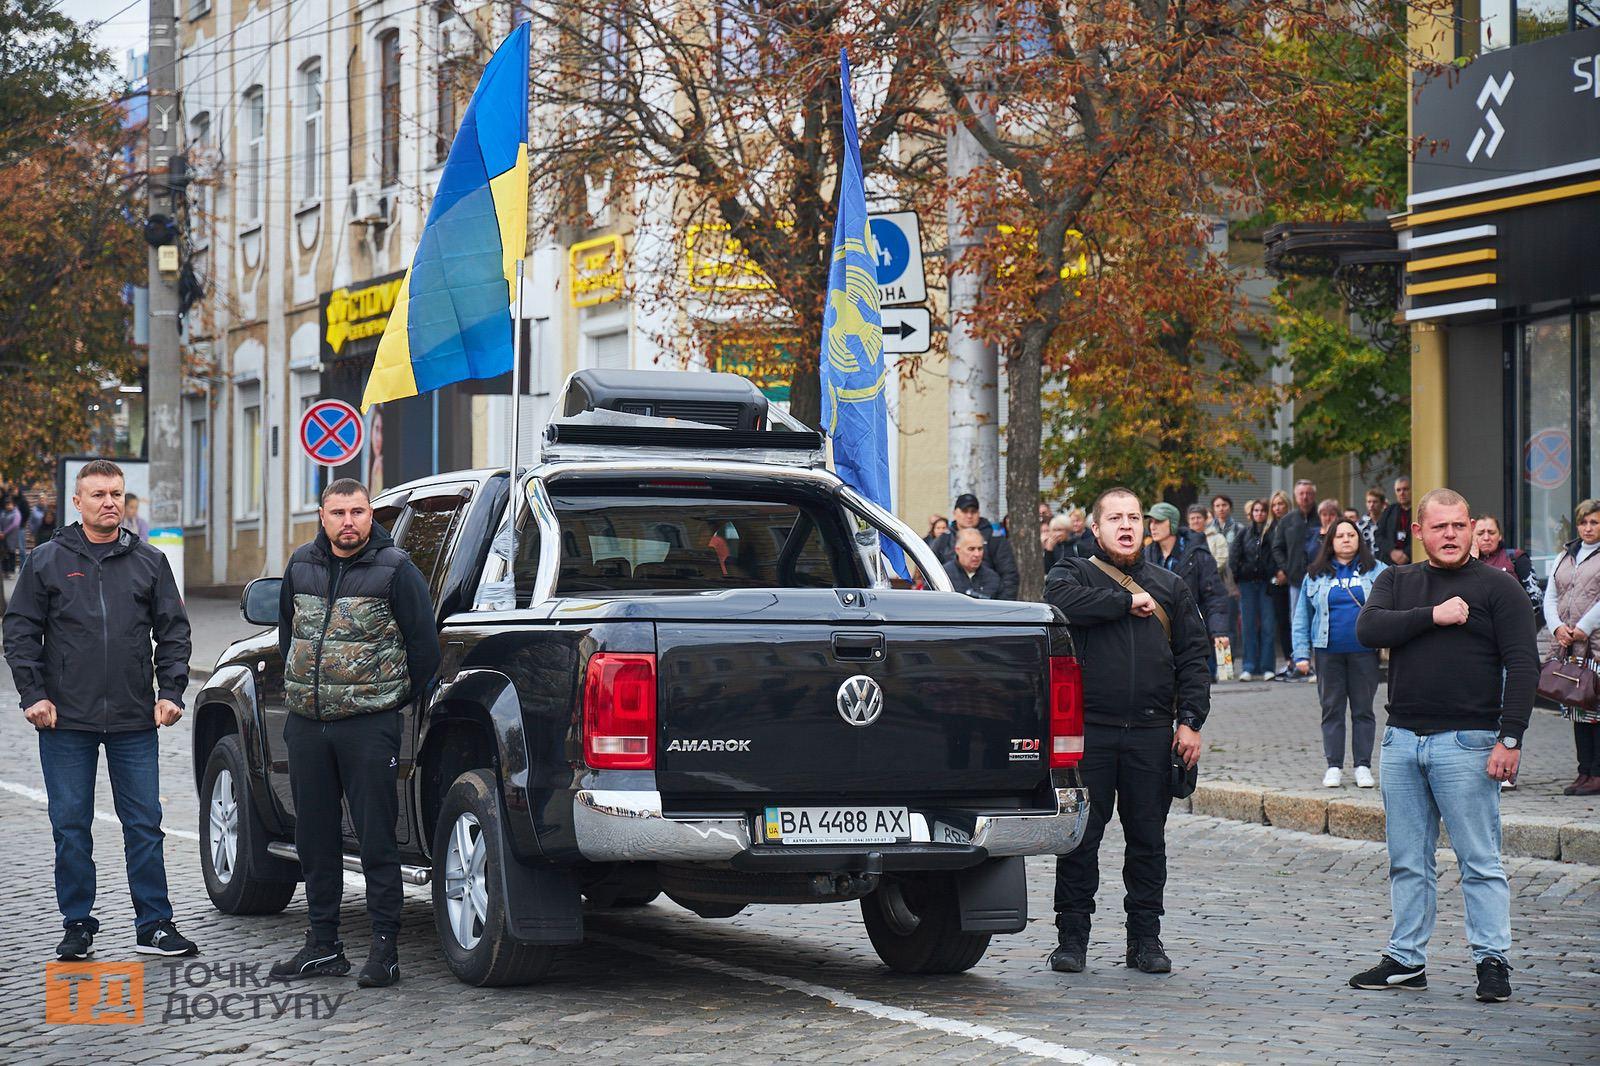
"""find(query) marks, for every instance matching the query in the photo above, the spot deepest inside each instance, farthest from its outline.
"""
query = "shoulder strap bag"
(1130, 585)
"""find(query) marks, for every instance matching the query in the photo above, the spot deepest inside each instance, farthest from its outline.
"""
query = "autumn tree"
(68, 242)
(1116, 127)
(1334, 316)
(725, 117)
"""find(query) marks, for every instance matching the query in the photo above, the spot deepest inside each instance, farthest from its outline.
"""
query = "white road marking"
(840, 998)
(38, 796)
(835, 996)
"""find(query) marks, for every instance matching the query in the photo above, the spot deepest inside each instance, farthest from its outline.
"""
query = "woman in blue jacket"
(1336, 586)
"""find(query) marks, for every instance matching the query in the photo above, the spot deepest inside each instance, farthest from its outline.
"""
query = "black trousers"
(1587, 737)
(354, 759)
(1127, 767)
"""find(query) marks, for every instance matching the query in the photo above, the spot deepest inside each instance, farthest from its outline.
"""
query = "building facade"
(1502, 277)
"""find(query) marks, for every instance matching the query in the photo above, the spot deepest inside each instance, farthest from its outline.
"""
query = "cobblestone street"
(1264, 926)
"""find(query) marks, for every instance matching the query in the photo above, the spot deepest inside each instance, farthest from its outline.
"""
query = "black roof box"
(716, 399)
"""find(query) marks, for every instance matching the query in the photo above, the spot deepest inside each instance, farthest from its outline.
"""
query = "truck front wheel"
(914, 923)
(469, 907)
(240, 877)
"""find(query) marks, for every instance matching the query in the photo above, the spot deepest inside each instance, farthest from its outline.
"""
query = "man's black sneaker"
(1391, 974)
(1494, 980)
(382, 967)
(1070, 956)
(163, 938)
(78, 944)
(1147, 955)
(313, 960)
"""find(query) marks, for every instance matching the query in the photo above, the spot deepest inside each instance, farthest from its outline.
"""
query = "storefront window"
(1548, 451)
(1538, 19)
(1486, 25)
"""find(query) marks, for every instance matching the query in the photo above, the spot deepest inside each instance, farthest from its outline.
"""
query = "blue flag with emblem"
(855, 411)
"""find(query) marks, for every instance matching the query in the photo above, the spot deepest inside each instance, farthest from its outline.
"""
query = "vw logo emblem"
(860, 700)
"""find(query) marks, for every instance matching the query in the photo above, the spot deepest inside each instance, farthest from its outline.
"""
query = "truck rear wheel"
(469, 907)
(233, 840)
(915, 926)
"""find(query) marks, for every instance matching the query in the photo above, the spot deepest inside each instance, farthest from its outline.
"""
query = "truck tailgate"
(755, 709)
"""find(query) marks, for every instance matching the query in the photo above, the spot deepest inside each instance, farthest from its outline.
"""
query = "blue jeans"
(1424, 778)
(1260, 624)
(70, 758)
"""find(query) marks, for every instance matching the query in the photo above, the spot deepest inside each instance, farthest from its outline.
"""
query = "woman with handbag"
(1572, 611)
(1336, 587)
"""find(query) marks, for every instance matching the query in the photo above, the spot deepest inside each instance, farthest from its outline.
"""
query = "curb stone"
(1522, 836)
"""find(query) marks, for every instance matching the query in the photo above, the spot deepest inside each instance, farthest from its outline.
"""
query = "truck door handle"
(858, 647)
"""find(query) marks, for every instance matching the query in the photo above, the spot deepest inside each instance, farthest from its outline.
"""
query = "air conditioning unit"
(368, 207)
(456, 40)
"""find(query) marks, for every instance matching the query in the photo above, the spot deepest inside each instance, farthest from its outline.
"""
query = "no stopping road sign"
(331, 432)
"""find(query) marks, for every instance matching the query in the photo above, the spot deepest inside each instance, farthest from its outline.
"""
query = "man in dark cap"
(997, 550)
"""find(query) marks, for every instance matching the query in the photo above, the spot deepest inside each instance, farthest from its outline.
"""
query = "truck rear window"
(640, 543)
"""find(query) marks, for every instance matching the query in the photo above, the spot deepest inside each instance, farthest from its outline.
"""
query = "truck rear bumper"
(629, 826)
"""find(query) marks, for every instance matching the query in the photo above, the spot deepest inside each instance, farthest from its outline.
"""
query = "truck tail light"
(619, 711)
(1066, 711)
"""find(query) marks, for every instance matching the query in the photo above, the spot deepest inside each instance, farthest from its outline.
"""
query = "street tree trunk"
(1023, 433)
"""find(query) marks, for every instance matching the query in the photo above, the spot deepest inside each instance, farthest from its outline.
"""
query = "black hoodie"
(78, 632)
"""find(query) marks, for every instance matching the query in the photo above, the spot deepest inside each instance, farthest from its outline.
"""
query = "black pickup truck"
(679, 664)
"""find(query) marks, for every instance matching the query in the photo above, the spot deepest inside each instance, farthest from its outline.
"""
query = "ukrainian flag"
(855, 411)
(452, 318)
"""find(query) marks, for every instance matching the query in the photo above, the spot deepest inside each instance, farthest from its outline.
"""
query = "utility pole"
(164, 380)
(974, 391)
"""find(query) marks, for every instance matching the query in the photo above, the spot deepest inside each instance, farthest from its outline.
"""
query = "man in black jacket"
(357, 632)
(78, 637)
(1185, 553)
(1391, 539)
(968, 573)
(1137, 680)
(997, 550)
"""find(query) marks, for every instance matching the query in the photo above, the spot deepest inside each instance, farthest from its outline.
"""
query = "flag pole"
(516, 427)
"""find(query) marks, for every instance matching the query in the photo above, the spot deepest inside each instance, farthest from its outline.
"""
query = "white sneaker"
(1364, 777)
(1246, 676)
(1333, 778)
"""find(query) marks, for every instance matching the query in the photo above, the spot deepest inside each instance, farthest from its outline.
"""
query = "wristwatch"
(1509, 742)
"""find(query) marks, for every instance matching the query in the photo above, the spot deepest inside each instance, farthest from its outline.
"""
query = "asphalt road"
(1264, 926)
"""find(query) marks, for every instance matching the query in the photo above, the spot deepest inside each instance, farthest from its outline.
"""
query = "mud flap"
(543, 905)
(993, 896)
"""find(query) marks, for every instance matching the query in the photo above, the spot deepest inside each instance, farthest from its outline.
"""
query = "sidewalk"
(214, 623)
(1263, 763)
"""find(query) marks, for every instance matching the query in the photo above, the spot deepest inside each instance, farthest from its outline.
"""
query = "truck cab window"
(640, 542)
(427, 529)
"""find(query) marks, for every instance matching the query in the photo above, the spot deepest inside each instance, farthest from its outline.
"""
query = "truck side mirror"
(259, 604)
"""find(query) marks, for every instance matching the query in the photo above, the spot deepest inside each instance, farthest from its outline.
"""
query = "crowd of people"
(27, 520)
(1280, 588)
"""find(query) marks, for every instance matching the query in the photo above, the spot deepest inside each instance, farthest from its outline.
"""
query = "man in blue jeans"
(1462, 674)
(78, 635)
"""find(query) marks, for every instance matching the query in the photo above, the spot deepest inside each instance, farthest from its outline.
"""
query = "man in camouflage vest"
(357, 633)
